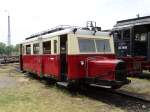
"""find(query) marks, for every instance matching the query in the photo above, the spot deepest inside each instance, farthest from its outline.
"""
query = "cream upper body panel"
(72, 42)
(66, 31)
(41, 41)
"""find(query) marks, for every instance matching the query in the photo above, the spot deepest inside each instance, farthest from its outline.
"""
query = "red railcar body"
(50, 65)
(76, 70)
(42, 64)
(65, 56)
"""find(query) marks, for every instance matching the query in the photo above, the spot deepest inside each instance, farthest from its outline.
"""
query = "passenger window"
(36, 48)
(47, 47)
(28, 49)
(55, 46)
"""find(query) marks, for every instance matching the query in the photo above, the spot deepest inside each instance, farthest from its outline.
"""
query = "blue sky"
(31, 16)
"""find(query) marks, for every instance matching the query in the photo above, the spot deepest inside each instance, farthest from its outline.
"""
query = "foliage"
(8, 50)
(2, 48)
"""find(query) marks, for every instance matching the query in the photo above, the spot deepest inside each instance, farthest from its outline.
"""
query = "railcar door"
(20, 57)
(38, 58)
(148, 50)
(63, 57)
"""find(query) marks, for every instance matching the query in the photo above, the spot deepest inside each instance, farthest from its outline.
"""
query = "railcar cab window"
(86, 45)
(28, 49)
(47, 47)
(36, 48)
(103, 45)
(94, 45)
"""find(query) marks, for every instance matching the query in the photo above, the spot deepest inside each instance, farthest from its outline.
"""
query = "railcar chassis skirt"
(106, 82)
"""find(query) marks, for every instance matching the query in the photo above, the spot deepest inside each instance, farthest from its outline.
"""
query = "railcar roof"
(68, 31)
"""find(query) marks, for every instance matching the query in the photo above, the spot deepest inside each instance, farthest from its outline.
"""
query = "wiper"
(104, 48)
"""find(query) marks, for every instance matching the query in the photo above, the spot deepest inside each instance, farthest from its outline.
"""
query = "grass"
(29, 95)
(34, 97)
(141, 86)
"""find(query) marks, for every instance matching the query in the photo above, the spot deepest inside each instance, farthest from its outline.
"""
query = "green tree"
(2, 48)
(16, 49)
(8, 50)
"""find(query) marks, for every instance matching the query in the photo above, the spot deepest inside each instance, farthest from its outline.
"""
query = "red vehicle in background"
(74, 55)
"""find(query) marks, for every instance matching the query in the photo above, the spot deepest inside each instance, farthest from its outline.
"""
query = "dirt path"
(7, 82)
(10, 77)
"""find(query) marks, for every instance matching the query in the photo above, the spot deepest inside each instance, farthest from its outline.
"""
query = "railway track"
(123, 93)
(131, 102)
(133, 95)
(98, 89)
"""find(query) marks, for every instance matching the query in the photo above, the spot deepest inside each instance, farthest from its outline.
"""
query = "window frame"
(94, 50)
(23, 49)
(55, 46)
(50, 50)
(95, 45)
(34, 48)
(105, 47)
(27, 53)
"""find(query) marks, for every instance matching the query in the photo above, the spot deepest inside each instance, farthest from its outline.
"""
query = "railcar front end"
(94, 61)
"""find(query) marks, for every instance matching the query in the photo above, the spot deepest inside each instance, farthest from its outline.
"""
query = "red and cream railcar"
(73, 55)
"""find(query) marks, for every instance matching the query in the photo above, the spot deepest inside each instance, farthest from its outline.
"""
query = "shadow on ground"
(99, 94)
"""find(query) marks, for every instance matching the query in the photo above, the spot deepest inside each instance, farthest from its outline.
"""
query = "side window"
(47, 47)
(55, 46)
(36, 48)
(28, 49)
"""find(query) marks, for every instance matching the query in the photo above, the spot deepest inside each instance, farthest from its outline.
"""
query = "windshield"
(94, 45)
(86, 45)
(103, 45)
